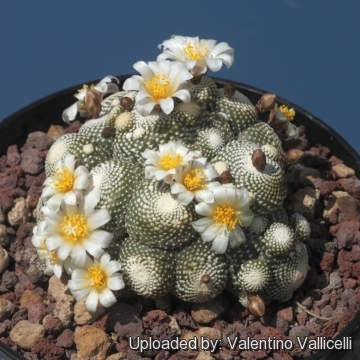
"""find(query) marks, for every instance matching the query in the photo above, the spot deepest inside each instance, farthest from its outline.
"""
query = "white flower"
(90, 98)
(162, 163)
(53, 264)
(197, 54)
(159, 82)
(96, 280)
(67, 183)
(224, 218)
(194, 181)
(73, 230)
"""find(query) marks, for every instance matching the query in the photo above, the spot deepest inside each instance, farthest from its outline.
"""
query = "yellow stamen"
(96, 277)
(159, 87)
(289, 113)
(196, 52)
(74, 227)
(169, 161)
(195, 180)
(54, 257)
(226, 215)
(85, 87)
(62, 180)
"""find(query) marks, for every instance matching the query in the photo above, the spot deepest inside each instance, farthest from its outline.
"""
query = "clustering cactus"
(174, 186)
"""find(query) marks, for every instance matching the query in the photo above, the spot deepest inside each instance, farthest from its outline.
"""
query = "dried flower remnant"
(280, 118)
(90, 98)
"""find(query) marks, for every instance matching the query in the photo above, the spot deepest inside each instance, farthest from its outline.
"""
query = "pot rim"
(43, 110)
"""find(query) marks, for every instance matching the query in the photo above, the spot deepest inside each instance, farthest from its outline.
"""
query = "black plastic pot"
(39, 115)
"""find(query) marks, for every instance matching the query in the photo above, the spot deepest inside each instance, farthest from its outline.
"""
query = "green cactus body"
(254, 275)
(90, 152)
(250, 249)
(204, 93)
(241, 114)
(146, 270)
(261, 134)
(158, 248)
(115, 181)
(100, 131)
(288, 273)
(267, 186)
(200, 273)
(279, 239)
(156, 219)
(135, 133)
(301, 227)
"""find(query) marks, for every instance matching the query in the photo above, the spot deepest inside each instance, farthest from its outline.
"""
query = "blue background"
(305, 51)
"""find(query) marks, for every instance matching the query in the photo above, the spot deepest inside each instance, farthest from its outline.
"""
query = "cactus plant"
(184, 182)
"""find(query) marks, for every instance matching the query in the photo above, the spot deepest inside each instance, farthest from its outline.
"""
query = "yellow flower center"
(226, 215)
(85, 87)
(195, 180)
(74, 227)
(53, 254)
(159, 87)
(63, 180)
(54, 257)
(196, 52)
(96, 277)
(169, 161)
(289, 113)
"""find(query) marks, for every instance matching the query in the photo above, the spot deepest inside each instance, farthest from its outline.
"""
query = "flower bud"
(293, 156)
(92, 103)
(226, 177)
(258, 159)
(266, 103)
(126, 103)
(205, 279)
(229, 90)
(256, 306)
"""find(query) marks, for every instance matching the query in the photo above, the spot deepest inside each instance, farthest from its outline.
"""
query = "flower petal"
(204, 209)
(236, 236)
(183, 95)
(78, 255)
(107, 298)
(115, 282)
(167, 105)
(131, 84)
(91, 199)
(92, 301)
(69, 114)
(220, 243)
(214, 64)
(98, 218)
(143, 68)
(211, 232)
(101, 238)
(185, 198)
(70, 198)
(145, 106)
